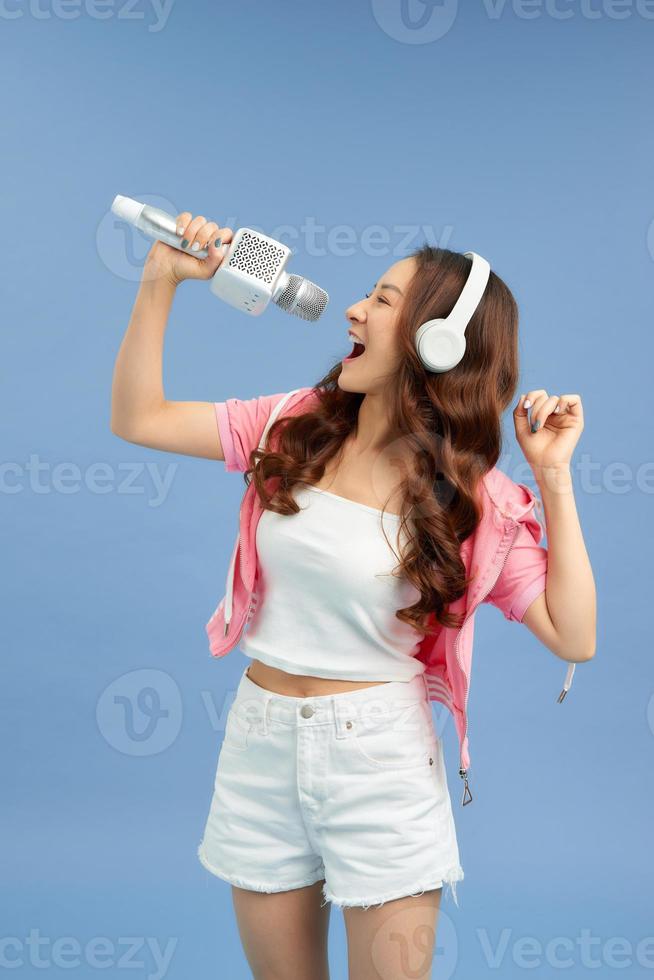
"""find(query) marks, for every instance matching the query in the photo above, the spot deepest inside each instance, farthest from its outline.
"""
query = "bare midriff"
(300, 685)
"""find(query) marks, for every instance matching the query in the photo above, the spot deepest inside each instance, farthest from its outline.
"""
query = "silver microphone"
(252, 272)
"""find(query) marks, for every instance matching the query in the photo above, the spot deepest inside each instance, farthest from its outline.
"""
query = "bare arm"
(140, 412)
(564, 617)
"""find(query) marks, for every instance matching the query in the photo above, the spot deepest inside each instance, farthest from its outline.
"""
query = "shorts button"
(306, 710)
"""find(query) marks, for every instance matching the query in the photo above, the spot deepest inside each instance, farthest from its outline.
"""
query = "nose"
(355, 313)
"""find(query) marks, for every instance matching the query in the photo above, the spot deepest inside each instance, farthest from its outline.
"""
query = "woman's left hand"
(559, 422)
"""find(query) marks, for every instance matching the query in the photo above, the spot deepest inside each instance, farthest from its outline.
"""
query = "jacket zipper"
(241, 568)
(247, 614)
(463, 773)
(252, 593)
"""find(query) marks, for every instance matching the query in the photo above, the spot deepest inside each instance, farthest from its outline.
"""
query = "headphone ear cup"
(439, 345)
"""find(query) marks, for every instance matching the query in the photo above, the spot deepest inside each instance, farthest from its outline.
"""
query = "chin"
(346, 384)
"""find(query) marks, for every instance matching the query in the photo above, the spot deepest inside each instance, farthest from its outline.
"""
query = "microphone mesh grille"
(303, 298)
(256, 257)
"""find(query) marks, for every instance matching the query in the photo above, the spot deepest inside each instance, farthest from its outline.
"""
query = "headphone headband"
(471, 293)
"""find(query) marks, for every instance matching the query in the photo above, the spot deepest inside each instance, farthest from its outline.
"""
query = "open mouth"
(357, 351)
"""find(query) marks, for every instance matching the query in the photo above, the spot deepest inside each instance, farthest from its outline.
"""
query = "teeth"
(354, 337)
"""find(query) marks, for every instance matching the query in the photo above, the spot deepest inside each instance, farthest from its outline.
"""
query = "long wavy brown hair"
(450, 422)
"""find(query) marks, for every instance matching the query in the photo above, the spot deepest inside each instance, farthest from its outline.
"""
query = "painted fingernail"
(195, 246)
(218, 241)
(527, 403)
(557, 408)
(180, 230)
(185, 243)
(535, 425)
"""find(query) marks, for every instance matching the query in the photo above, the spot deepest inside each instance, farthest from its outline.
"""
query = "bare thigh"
(284, 934)
(396, 941)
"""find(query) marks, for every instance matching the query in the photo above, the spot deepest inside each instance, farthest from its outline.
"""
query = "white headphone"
(441, 343)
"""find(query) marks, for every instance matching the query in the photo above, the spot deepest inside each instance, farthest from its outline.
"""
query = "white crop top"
(327, 600)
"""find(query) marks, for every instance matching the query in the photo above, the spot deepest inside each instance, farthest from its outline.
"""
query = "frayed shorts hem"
(328, 896)
(366, 903)
(257, 886)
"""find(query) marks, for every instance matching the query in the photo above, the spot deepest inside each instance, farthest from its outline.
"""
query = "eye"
(380, 299)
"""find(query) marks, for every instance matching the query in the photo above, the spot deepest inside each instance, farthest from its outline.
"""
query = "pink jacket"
(510, 566)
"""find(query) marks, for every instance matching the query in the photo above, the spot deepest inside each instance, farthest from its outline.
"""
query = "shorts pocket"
(398, 739)
(237, 731)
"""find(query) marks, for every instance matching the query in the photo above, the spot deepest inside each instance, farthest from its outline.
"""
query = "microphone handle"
(160, 225)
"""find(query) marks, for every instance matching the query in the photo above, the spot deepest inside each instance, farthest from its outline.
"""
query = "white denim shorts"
(349, 787)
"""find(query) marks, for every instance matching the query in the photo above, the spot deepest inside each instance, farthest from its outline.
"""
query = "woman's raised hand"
(164, 261)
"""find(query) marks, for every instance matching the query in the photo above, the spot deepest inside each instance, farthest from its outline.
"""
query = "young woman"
(376, 523)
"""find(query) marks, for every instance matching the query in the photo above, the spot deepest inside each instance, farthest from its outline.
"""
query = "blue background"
(518, 132)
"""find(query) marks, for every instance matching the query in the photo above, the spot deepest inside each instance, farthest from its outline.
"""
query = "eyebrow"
(389, 285)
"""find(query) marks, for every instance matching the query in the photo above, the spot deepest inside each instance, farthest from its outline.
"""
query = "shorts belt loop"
(264, 720)
(340, 726)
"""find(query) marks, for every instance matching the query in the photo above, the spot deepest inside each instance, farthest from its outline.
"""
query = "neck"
(373, 430)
